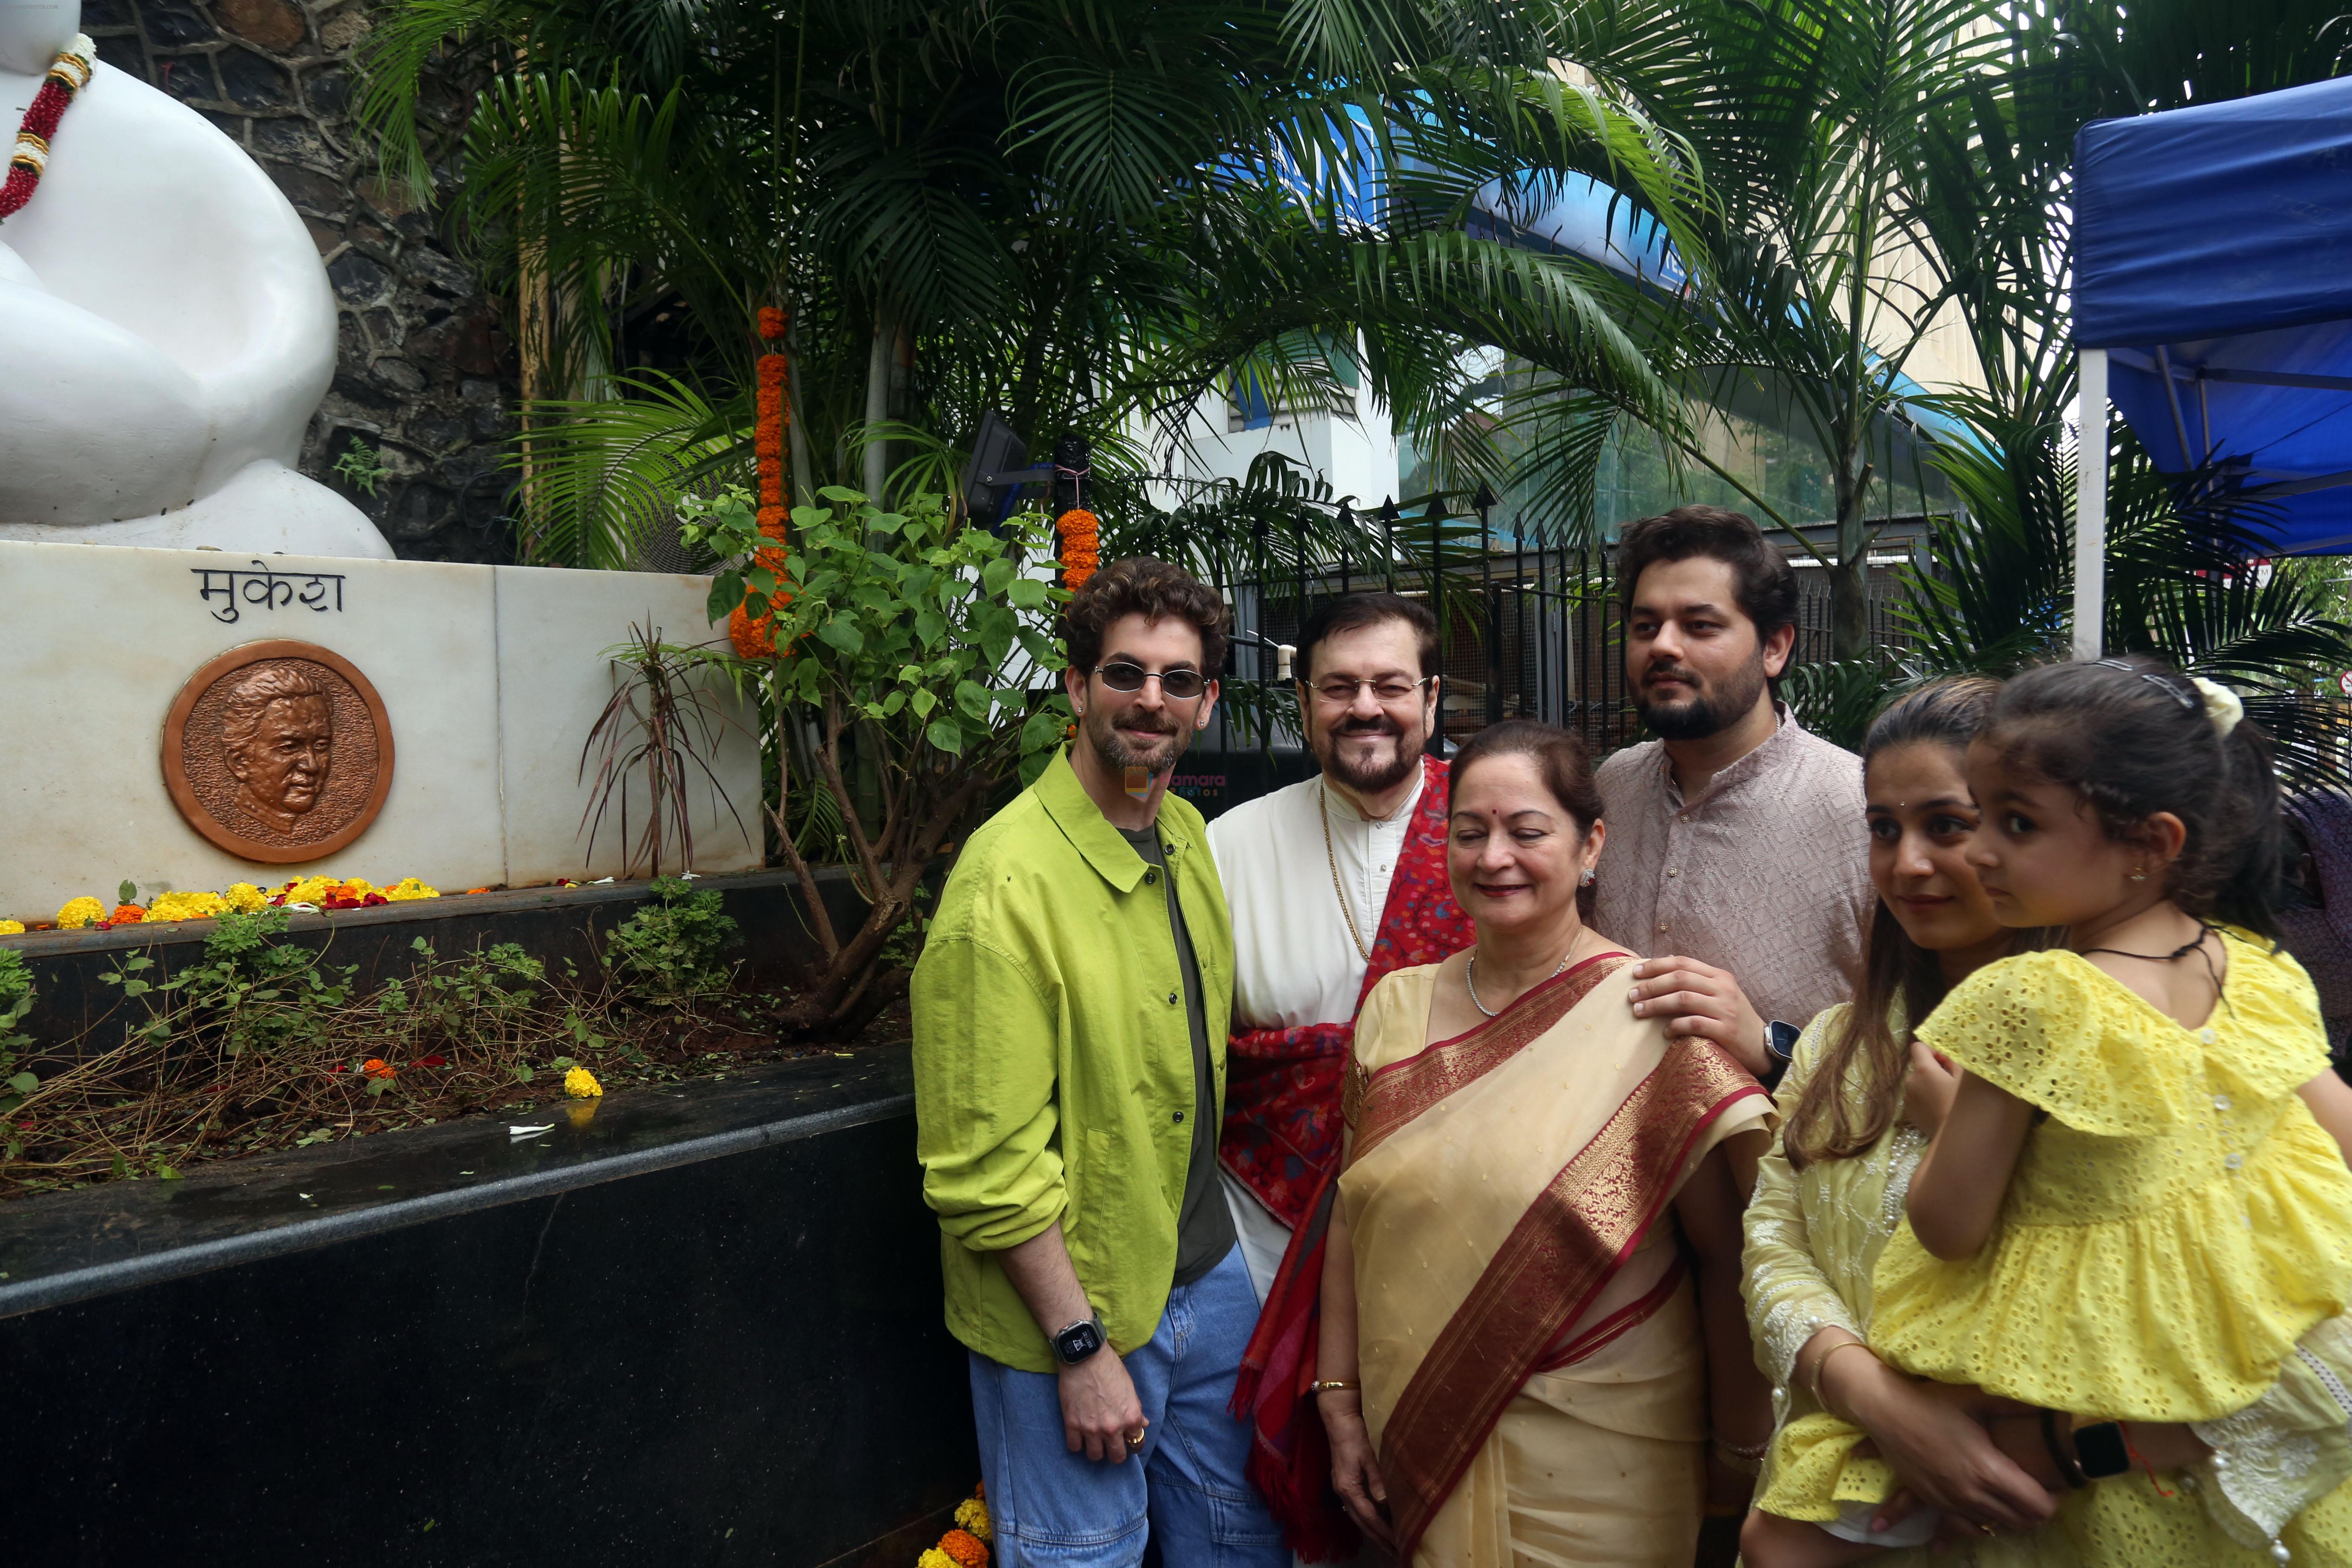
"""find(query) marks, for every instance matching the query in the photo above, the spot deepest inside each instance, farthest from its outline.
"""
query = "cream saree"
(1533, 1374)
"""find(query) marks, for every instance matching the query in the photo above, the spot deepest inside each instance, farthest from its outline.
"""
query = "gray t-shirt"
(1204, 1225)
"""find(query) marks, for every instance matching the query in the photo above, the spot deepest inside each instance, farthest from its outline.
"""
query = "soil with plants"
(262, 1044)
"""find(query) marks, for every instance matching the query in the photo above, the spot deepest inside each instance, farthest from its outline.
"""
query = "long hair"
(1856, 1087)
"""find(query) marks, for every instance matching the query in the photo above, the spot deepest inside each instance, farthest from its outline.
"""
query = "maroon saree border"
(1579, 1231)
(1392, 1096)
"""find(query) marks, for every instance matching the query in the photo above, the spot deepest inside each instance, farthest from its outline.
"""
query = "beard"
(1117, 756)
(1369, 779)
(1712, 710)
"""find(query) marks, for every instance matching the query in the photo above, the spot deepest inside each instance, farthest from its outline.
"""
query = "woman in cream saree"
(1513, 1363)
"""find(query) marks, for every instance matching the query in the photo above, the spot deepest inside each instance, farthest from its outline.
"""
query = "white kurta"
(1295, 962)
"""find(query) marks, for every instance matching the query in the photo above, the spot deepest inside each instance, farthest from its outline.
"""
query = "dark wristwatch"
(1780, 1044)
(2100, 1450)
(1079, 1341)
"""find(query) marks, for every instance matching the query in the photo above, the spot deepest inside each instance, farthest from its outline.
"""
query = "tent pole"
(2091, 508)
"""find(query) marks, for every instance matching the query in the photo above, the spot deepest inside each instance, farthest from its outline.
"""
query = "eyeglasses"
(1177, 683)
(1337, 692)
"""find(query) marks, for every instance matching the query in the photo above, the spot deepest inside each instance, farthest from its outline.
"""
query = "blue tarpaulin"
(2213, 265)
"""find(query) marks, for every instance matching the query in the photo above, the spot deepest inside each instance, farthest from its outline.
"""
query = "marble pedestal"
(491, 677)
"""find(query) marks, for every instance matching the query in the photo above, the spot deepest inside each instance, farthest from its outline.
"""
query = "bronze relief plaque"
(279, 752)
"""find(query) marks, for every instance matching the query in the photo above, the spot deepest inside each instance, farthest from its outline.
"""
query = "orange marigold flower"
(772, 369)
(771, 524)
(127, 914)
(965, 1548)
(377, 1067)
(1080, 553)
(772, 322)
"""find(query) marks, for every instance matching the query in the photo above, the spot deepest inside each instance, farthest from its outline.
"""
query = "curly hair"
(1155, 590)
(251, 699)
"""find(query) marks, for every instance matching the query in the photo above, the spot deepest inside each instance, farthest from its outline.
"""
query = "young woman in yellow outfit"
(2123, 1281)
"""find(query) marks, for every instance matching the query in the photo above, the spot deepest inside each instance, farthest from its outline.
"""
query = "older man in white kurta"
(1331, 883)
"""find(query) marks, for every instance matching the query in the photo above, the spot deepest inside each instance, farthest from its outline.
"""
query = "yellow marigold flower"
(580, 1084)
(186, 906)
(935, 1558)
(310, 889)
(245, 898)
(972, 1515)
(408, 888)
(80, 912)
(964, 1550)
(12, 928)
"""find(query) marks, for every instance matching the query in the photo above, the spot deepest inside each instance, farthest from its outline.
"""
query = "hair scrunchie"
(2222, 708)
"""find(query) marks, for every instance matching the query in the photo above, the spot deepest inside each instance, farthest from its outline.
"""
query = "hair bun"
(2222, 708)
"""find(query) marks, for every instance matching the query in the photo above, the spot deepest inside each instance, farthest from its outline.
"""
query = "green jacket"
(1054, 1062)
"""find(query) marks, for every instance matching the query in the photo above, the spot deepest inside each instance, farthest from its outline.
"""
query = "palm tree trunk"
(1849, 577)
(878, 402)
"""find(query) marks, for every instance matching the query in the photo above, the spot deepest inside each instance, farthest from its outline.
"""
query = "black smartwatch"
(1079, 1341)
(2102, 1450)
(1781, 1044)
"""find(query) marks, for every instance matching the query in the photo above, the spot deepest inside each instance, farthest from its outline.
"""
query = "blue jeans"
(1049, 1505)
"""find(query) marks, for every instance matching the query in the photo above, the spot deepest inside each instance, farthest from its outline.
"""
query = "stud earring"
(1585, 879)
(2139, 873)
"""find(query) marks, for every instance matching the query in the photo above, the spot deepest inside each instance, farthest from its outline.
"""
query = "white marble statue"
(166, 328)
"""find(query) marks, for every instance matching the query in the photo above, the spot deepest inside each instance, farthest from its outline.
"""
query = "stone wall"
(425, 375)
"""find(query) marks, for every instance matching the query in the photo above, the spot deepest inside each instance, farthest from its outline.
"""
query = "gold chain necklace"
(1323, 809)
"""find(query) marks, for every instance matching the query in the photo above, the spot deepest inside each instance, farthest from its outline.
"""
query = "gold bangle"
(1823, 1364)
(1333, 1386)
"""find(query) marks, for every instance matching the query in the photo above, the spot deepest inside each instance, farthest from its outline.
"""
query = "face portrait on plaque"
(279, 752)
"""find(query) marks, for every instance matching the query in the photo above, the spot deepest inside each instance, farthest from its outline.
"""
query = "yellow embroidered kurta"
(1814, 1237)
(2171, 1228)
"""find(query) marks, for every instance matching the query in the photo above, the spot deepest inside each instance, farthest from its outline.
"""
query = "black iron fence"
(1528, 633)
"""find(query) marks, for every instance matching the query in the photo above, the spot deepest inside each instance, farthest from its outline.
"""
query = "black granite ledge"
(118, 1235)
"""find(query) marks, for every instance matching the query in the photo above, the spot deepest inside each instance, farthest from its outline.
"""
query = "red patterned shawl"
(1281, 1139)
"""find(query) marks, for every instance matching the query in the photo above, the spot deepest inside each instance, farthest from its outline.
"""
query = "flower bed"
(256, 1041)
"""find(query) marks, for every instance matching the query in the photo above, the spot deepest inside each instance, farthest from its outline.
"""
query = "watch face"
(1077, 1342)
(2101, 1449)
(1784, 1037)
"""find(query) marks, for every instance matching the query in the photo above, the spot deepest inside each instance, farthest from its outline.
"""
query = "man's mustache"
(1147, 725)
(1672, 672)
(1382, 725)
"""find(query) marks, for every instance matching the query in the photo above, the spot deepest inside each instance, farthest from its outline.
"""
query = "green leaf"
(929, 626)
(24, 1083)
(524, 1073)
(843, 633)
(972, 698)
(1042, 730)
(1028, 592)
(995, 577)
(892, 703)
(944, 734)
(923, 702)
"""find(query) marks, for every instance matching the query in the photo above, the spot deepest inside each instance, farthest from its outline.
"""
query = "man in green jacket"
(1071, 1008)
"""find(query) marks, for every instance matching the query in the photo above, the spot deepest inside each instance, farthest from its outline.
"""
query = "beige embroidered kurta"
(1813, 1238)
(1767, 875)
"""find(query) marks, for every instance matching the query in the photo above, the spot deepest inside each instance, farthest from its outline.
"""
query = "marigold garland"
(757, 638)
(1081, 553)
(12, 928)
(68, 75)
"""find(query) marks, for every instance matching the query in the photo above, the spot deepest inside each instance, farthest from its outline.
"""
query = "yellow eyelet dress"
(2172, 1228)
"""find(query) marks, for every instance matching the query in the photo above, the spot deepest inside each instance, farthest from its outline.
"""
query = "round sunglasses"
(1121, 676)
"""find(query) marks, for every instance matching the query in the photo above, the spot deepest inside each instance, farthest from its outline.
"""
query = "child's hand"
(1928, 1088)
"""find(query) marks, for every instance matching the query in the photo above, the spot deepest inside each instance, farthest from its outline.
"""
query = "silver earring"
(2139, 873)
(1585, 880)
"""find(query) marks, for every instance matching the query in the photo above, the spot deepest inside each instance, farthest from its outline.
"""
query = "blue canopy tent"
(2213, 303)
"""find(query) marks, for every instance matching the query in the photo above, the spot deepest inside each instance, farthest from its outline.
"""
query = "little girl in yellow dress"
(2137, 1202)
